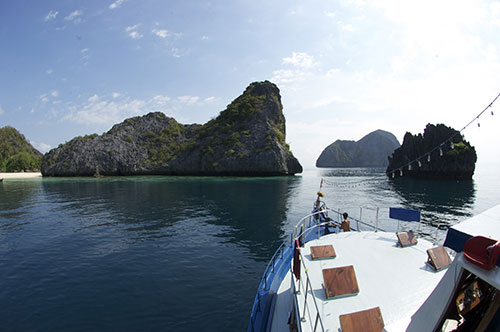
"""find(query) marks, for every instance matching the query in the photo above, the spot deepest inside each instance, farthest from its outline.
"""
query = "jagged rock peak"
(247, 138)
(455, 159)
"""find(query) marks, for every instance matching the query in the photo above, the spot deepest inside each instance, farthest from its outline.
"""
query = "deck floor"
(396, 279)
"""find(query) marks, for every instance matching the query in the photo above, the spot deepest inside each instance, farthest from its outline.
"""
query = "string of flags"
(447, 142)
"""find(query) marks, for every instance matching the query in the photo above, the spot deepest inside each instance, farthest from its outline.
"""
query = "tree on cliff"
(441, 152)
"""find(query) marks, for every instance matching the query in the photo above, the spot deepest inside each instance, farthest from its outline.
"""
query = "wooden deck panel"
(367, 321)
(322, 252)
(340, 281)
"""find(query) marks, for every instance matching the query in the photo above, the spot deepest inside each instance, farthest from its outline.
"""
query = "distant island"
(16, 153)
(441, 152)
(246, 139)
(370, 151)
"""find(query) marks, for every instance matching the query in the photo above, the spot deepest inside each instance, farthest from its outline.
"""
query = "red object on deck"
(482, 251)
(296, 259)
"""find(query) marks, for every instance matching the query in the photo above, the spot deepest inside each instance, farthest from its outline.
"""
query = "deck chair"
(405, 239)
(482, 251)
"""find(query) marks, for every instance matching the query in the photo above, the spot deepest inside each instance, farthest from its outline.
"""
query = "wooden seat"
(322, 252)
(367, 321)
(340, 281)
(438, 258)
(406, 239)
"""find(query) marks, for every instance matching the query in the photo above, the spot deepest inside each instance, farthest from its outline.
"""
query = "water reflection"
(148, 208)
(442, 202)
(16, 201)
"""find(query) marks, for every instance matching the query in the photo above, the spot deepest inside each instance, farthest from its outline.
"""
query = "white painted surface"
(396, 279)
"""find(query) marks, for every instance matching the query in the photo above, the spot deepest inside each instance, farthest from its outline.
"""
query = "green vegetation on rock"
(16, 153)
(247, 138)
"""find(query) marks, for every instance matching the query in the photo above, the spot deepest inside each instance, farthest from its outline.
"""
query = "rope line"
(353, 184)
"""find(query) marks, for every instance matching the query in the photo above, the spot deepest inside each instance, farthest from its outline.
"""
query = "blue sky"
(344, 68)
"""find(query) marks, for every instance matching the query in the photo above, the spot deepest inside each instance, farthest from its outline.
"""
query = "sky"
(344, 68)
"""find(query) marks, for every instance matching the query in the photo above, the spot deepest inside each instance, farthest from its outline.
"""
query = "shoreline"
(20, 175)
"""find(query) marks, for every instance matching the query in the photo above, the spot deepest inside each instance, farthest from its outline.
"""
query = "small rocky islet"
(246, 139)
(440, 152)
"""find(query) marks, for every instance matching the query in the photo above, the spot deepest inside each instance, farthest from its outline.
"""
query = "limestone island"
(246, 139)
(440, 153)
(370, 151)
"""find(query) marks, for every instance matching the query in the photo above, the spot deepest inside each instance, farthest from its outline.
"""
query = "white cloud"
(132, 31)
(162, 33)
(84, 50)
(54, 93)
(175, 52)
(160, 100)
(51, 15)
(204, 38)
(116, 4)
(188, 99)
(75, 16)
(284, 76)
(93, 99)
(300, 59)
(330, 14)
(49, 71)
(1, 110)
(346, 27)
(44, 98)
(104, 113)
(332, 72)
(42, 147)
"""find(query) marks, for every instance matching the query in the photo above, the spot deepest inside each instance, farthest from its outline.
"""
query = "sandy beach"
(21, 175)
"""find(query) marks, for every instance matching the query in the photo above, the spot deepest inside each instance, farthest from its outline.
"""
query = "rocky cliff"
(248, 139)
(16, 153)
(424, 156)
(370, 151)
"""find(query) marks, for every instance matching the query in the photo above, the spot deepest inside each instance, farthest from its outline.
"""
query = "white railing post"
(360, 216)
(376, 221)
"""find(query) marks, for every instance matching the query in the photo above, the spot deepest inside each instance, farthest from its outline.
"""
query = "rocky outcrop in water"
(247, 139)
(370, 151)
(441, 152)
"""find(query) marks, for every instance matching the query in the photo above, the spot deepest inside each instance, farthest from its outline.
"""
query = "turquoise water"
(179, 253)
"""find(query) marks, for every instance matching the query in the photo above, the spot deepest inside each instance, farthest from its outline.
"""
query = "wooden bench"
(340, 281)
(322, 252)
(438, 258)
(366, 321)
(406, 239)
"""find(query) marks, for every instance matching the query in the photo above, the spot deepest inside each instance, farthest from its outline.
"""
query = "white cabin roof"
(485, 224)
(396, 279)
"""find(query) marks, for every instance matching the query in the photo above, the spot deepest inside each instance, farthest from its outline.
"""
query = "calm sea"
(180, 253)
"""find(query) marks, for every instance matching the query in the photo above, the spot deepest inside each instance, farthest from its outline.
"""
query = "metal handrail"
(307, 287)
(305, 229)
(327, 209)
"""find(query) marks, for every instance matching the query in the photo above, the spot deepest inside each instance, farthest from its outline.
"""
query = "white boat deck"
(396, 279)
